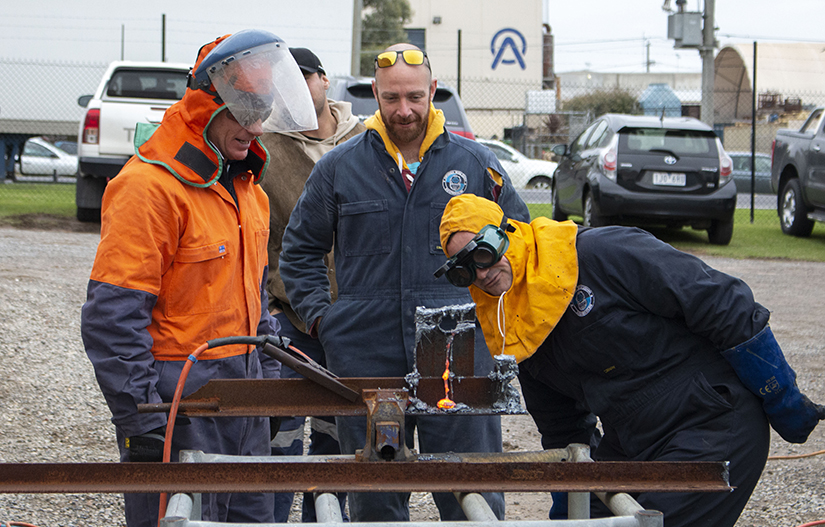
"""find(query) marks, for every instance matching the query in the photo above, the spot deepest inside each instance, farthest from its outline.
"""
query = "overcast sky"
(602, 35)
(90, 30)
(612, 35)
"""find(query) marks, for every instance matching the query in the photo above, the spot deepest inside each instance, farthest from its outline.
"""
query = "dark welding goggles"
(483, 251)
(413, 57)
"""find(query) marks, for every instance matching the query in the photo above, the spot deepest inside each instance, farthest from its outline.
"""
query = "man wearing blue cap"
(182, 261)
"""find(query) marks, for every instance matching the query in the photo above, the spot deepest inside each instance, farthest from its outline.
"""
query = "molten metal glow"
(446, 402)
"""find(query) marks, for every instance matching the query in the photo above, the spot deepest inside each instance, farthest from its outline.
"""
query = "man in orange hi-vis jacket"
(183, 259)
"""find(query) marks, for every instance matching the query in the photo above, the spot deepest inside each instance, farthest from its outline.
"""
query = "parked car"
(638, 169)
(798, 174)
(128, 93)
(523, 171)
(69, 147)
(41, 158)
(358, 91)
(742, 172)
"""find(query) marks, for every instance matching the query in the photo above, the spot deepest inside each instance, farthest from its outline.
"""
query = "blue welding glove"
(147, 447)
(762, 368)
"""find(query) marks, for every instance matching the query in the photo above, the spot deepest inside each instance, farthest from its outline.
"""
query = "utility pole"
(355, 63)
(458, 66)
(648, 62)
(163, 37)
(684, 28)
(708, 73)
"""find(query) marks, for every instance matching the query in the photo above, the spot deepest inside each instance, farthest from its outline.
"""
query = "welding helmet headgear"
(253, 73)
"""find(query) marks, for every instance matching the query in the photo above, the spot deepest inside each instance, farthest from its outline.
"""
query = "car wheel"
(540, 182)
(592, 217)
(88, 215)
(557, 213)
(720, 232)
(793, 215)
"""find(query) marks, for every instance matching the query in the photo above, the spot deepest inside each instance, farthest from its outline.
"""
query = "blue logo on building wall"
(505, 49)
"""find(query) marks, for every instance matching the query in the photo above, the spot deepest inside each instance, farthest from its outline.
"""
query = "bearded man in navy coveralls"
(377, 199)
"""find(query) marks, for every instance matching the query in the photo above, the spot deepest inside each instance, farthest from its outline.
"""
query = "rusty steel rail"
(288, 397)
(347, 475)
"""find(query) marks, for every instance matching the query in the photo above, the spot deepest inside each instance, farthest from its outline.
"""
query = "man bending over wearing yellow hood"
(669, 353)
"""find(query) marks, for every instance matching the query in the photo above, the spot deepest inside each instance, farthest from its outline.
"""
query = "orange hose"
(798, 456)
(819, 522)
(173, 413)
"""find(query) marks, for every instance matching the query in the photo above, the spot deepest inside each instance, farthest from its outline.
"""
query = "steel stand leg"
(178, 511)
(578, 505)
(650, 518)
(475, 507)
(327, 508)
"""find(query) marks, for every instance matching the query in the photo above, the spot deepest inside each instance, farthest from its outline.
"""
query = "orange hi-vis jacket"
(171, 230)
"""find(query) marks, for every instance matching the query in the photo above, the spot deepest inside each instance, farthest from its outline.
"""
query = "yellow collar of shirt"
(435, 127)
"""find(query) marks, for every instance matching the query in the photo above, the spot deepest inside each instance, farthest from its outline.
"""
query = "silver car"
(742, 172)
(523, 171)
(41, 158)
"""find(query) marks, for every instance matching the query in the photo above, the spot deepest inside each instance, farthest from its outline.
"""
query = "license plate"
(670, 179)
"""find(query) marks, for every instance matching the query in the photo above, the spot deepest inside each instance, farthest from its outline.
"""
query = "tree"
(603, 101)
(382, 26)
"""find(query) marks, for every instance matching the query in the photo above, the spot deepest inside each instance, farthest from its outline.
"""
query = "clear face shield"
(264, 85)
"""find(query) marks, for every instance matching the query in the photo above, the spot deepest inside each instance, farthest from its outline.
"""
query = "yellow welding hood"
(545, 269)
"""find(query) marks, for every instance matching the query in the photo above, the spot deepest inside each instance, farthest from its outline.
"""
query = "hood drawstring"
(501, 319)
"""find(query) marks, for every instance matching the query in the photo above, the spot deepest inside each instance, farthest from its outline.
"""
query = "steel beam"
(445, 336)
(288, 397)
(344, 474)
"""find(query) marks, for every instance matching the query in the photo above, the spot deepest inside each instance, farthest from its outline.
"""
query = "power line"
(776, 39)
(63, 18)
(591, 42)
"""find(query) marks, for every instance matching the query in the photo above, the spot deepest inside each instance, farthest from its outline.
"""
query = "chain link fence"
(516, 114)
(39, 119)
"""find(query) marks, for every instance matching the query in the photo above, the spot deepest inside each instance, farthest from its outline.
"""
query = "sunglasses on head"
(413, 57)
(483, 251)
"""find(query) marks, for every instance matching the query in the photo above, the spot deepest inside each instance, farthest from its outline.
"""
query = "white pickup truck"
(129, 93)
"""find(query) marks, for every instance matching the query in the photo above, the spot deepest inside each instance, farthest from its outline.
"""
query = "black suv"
(639, 169)
(358, 91)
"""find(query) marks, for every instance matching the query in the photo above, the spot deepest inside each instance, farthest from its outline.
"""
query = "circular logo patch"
(454, 182)
(583, 300)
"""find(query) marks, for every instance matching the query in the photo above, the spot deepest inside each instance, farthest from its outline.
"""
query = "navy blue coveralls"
(640, 347)
(387, 247)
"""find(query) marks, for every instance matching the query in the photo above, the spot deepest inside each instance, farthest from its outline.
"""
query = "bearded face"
(404, 125)
(404, 93)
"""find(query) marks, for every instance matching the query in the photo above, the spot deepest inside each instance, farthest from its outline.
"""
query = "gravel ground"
(51, 409)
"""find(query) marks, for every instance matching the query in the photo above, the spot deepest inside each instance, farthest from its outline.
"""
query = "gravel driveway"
(51, 409)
